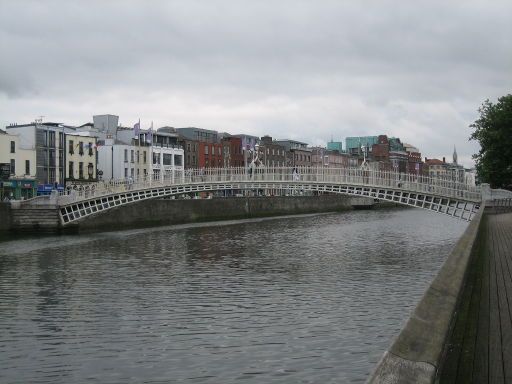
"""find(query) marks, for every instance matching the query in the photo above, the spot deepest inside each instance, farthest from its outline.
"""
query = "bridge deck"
(480, 348)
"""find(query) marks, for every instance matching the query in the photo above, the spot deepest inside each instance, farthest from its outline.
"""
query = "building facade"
(210, 155)
(297, 153)
(48, 139)
(80, 159)
(325, 158)
(271, 153)
(232, 154)
(17, 169)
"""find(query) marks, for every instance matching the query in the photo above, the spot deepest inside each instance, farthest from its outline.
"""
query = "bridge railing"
(304, 175)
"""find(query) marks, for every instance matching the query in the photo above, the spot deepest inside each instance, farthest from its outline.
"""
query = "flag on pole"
(136, 129)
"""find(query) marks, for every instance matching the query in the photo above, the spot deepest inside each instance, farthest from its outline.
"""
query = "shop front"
(18, 189)
(46, 189)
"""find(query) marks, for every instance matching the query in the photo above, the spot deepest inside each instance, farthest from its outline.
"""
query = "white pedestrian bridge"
(435, 194)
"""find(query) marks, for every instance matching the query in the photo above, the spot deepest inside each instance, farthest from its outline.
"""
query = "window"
(71, 147)
(178, 160)
(156, 158)
(80, 170)
(51, 155)
(13, 147)
(131, 156)
(132, 172)
(126, 157)
(27, 167)
(145, 157)
(138, 173)
(219, 152)
(90, 149)
(13, 166)
(126, 172)
(138, 157)
(188, 147)
(71, 170)
(81, 148)
(51, 177)
(61, 140)
(206, 149)
(167, 159)
(51, 139)
(90, 166)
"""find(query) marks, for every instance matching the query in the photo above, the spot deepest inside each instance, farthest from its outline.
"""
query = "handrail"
(439, 186)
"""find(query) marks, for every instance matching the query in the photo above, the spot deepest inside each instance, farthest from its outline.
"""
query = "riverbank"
(417, 352)
(157, 212)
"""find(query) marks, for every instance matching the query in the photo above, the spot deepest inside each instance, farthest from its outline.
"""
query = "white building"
(124, 154)
(17, 168)
(118, 160)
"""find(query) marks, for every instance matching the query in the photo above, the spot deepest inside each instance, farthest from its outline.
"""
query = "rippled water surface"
(304, 299)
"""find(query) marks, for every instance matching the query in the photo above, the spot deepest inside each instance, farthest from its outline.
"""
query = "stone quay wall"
(5, 216)
(416, 354)
(154, 212)
(167, 211)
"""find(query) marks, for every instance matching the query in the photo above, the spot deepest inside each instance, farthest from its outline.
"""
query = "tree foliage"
(493, 130)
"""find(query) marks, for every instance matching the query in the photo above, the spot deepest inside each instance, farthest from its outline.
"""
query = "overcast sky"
(305, 70)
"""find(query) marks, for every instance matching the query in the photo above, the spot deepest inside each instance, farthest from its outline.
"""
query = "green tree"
(493, 130)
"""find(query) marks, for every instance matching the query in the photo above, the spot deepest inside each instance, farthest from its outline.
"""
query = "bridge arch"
(427, 198)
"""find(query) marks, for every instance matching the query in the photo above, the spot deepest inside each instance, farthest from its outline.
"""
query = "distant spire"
(454, 155)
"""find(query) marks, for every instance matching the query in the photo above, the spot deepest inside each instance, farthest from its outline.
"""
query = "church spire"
(454, 155)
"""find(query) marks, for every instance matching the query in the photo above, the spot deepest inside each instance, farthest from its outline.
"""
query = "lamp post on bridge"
(395, 167)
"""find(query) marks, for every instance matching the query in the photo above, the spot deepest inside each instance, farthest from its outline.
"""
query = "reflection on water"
(311, 299)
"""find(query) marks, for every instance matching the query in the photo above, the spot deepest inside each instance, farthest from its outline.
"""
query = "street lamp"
(364, 165)
(90, 169)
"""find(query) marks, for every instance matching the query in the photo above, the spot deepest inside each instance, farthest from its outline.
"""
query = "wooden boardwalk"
(480, 347)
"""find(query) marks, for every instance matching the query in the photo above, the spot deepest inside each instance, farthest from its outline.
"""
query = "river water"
(299, 299)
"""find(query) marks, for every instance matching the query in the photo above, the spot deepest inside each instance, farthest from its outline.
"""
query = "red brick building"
(232, 153)
(210, 155)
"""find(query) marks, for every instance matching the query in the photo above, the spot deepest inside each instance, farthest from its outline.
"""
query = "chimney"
(444, 159)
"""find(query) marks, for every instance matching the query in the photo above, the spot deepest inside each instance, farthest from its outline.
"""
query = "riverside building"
(17, 168)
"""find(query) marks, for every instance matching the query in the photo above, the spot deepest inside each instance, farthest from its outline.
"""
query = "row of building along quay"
(39, 157)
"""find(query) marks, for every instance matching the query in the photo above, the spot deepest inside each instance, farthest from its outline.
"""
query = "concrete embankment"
(5, 216)
(416, 354)
(37, 218)
(165, 212)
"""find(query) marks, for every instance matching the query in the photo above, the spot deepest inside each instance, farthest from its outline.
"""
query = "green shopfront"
(19, 189)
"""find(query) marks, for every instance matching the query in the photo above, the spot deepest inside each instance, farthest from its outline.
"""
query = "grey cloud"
(266, 67)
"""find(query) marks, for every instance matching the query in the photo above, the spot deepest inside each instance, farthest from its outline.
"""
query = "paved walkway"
(480, 349)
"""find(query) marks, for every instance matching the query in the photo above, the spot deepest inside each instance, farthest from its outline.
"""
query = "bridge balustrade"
(303, 175)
